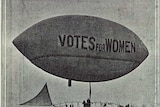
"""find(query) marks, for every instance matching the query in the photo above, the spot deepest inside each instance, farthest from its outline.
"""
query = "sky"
(25, 80)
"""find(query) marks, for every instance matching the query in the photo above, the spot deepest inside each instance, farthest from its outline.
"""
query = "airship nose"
(29, 44)
(144, 51)
(21, 44)
(147, 53)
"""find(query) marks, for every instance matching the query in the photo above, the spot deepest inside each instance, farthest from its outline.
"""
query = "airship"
(82, 48)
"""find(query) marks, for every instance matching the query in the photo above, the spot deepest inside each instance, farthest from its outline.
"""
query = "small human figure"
(127, 105)
(87, 104)
(84, 103)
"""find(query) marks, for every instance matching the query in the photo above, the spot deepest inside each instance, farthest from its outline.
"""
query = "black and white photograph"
(80, 53)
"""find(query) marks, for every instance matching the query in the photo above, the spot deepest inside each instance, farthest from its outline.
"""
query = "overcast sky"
(25, 80)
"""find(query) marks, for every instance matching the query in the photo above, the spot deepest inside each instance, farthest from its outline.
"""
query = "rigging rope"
(90, 91)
